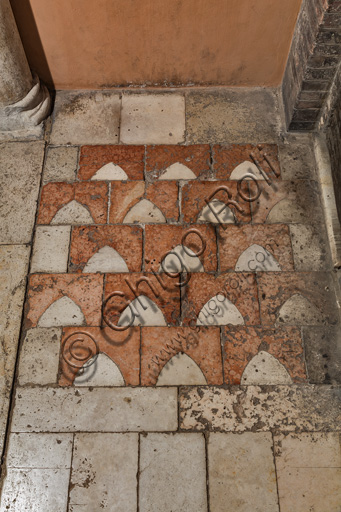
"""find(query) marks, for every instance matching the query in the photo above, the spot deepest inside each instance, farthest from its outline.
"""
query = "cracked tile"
(143, 203)
(104, 469)
(178, 162)
(309, 471)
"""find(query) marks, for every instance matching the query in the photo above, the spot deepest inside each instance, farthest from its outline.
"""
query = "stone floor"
(170, 316)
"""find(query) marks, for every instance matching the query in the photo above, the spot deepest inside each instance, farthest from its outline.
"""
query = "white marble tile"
(61, 164)
(51, 249)
(104, 473)
(48, 451)
(20, 169)
(241, 473)
(309, 471)
(39, 356)
(86, 118)
(153, 119)
(95, 410)
(172, 473)
(35, 490)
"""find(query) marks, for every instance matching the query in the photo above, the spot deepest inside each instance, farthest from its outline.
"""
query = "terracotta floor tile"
(160, 344)
(45, 289)
(162, 195)
(241, 344)
(287, 202)
(196, 195)
(161, 240)
(237, 301)
(304, 298)
(88, 240)
(129, 158)
(255, 248)
(227, 157)
(121, 347)
(196, 158)
(93, 196)
(163, 291)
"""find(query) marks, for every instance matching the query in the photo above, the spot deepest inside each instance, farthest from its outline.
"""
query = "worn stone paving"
(180, 344)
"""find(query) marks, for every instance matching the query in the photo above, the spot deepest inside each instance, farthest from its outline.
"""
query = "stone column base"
(28, 113)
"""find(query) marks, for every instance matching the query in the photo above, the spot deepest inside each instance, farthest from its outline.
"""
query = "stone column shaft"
(24, 102)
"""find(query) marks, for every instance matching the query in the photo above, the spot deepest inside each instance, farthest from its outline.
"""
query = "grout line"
(120, 118)
(109, 202)
(206, 438)
(138, 472)
(222, 350)
(274, 459)
(70, 476)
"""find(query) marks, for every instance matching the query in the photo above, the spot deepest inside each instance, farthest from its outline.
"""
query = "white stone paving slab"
(20, 169)
(310, 247)
(48, 451)
(13, 269)
(95, 410)
(39, 356)
(86, 118)
(51, 249)
(153, 119)
(309, 472)
(172, 473)
(256, 408)
(241, 473)
(61, 164)
(104, 473)
(35, 490)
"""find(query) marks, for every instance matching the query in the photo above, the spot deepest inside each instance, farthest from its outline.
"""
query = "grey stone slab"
(39, 356)
(95, 410)
(241, 472)
(35, 490)
(310, 247)
(61, 164)
(309, 472)
(51, 249)
(172, 473)
(104, 473)
(322, 347)
(296, 157)
(48, 451)
(233, 115)
(261, 408)
(20, 169)
(153, 118)
(13, 269)
(86, 118)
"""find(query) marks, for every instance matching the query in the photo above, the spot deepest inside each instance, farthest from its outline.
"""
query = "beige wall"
(106, 43)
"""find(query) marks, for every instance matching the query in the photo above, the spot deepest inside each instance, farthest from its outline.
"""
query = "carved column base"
(28, 112)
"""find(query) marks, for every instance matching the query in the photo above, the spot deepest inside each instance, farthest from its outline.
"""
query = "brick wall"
(333, 136)
(312, 62)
